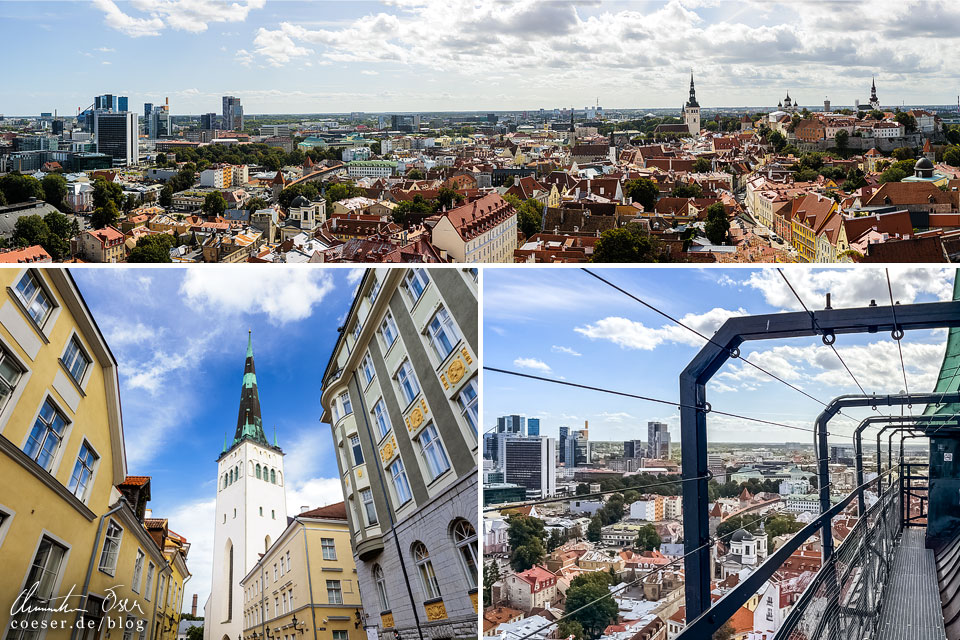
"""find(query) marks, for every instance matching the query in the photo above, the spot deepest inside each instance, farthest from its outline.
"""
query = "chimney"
(305, 507)
(193, 607)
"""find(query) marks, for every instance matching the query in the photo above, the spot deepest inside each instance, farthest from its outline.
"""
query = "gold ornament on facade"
(443, 379)
(387, 620)
(466, 355)
(388, 449)
(436, 611)
(473, 599)
(456, 370)
(416, 419)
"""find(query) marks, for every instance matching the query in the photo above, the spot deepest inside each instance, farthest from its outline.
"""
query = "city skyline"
(566, 325)
(429, 59)
(181, 368)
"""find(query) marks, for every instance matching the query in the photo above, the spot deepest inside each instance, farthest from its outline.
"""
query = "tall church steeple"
(692, 102)
(691, 110)
(249, 420)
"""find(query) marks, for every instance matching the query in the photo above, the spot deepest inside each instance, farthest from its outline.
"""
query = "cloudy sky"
(408, 55)
(564, 324)
(180, 336)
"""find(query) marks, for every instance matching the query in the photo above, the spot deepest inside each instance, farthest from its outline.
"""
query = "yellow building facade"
(305, 586)
(72, 533)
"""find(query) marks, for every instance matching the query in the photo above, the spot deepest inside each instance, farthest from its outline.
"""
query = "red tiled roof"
(336, 511)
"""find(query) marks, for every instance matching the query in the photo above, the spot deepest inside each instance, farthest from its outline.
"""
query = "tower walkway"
(911, 600)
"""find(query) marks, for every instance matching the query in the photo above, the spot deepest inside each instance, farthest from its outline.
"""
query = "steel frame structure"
(723, 346)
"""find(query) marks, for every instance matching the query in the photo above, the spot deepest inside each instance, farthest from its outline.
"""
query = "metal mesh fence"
(843, 600)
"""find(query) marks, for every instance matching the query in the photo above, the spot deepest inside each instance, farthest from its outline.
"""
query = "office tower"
(562, 444)
(402, 408)
(208, 121)
(581, 447)
(232, 113)
(716, 467)
(159, 123)
(110, 102)
(530, 463)
(633, 448)
(658, 440)
(117, 135)
(147, 109)
(533, 426)
(512, 424)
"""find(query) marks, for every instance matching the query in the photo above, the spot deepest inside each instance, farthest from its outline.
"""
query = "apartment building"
(484, 230)
(400, 394)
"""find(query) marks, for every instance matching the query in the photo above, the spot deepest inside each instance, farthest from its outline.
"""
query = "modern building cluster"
(400, 394)
(73, 521)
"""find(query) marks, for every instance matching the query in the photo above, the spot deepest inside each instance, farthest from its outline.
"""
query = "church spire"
(692, 102)
(249, 421)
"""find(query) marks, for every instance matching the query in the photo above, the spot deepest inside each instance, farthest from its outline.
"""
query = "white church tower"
(691, 111)
(251, 510)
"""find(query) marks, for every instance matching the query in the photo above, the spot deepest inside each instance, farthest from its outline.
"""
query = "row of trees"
(271, 158)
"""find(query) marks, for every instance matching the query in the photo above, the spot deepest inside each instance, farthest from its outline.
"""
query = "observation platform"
(911, 607)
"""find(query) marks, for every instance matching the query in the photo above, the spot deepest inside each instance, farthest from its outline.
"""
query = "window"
(137, 571)
(128, 627)
(34, 297)
(367, 367)
(465, 538)
(428, 579)
(82, 471)
(111, 547)
(286, 607)
(276, 574)
(345, 405)
(381, 588)
(389, 330)
(288, 563)
(162, 595)
(400, 484)
(10, 373)
(468, 405)
(273, 514)
(261, 512)
(433, 451)
(147, 594)
(340, 634)
(409, 387)
(329, 548)
(416, 281)
(368, 508)
(334, 593)
(75, 360)
(258, 475)
(44, 572)
(46, 435)
(357, 451)
(381, 418)
(374, 290)
(273, 476)
(443, 333)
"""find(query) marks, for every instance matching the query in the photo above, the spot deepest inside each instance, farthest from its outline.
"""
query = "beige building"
(101, 245)
(305, 586)
(484, 230)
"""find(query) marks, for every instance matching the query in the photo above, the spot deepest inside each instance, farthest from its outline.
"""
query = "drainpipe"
(93, 556)
(306, 551)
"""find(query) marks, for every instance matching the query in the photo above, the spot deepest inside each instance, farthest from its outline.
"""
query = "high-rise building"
(147, 110)
(581, 446)
(562, 446)
(110, 102)
(209, 121)
(530, 463)
(159, 122)
(117, 134)
(400, 396)
(232, 113)
(533, 426)
(658, 440)
(512, 424)
(251, 509)
(716, 467)
(633, 449)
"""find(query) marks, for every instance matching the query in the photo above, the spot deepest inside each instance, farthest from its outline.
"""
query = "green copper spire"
(249, 422)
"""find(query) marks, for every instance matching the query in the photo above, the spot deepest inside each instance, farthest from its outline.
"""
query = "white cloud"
(284, 296)
(315, 492)
(532, 363)
(355, 275)
(193, 16)
(567, 350)
(630, 334)
(195, 521)
(131, 26)
(105, 49)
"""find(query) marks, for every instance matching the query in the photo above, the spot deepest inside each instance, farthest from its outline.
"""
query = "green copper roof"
(249, 421)
(949, 379)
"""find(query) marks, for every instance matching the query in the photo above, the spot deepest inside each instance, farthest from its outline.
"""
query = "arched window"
(273, 476)
(465, 539)
(224, 481)
(381, 588)
(428, 579)
(230, 476)
(279, 478)
(258, 471)
(266, 475)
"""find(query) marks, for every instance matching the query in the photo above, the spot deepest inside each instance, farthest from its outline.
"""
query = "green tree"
(908, 121)
(59, 224)
(683, 190)
(20, 188)
(491, 573)
(555, 540)
(152, 248)
(648, 539)
(106, 215)
(903, 153)
(702, 165)
(630, 243)
(508, 182)
(105, 191)
(842, 139)
(893, 174)
(529, 214)
(582, 489)
(952, 156)
(195, 633)
(569, 628)
(342, 191)
(214, 204)
(717, 226)
(130, 203)
(643, 190)
(375, 148)
(415, 174)
(726, 632)
(591, 589)
(594, 529)
(253, 204)
(161, 160)
(54, 189)
(306, 189)
(779, 525)
(777, 140)
(447, 197)
(30, 230)
(166, 195)
(526, 536)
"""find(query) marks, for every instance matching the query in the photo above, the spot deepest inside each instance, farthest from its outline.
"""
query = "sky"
(180, 338)
(426, 55)
(564, 324)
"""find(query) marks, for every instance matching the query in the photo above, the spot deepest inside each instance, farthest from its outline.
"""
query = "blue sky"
(180, 336)
(400, 55)
(564, 324)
